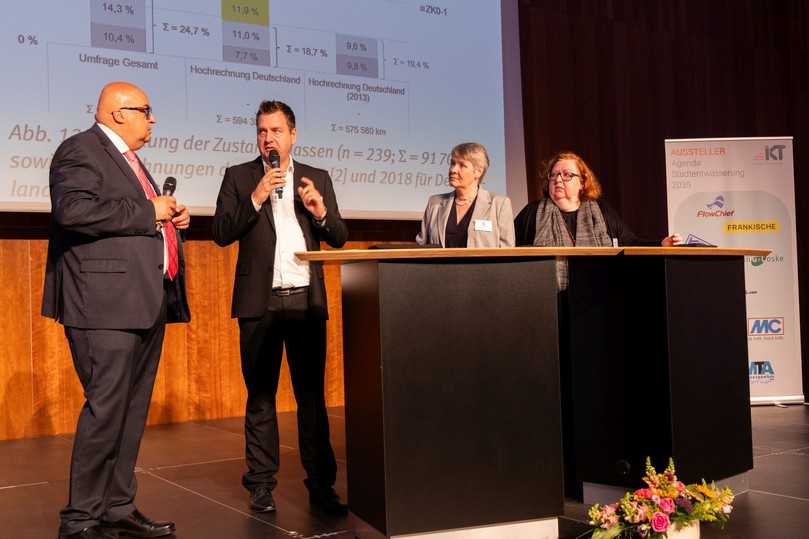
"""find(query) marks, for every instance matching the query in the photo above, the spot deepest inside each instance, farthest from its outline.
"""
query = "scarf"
(551, 231)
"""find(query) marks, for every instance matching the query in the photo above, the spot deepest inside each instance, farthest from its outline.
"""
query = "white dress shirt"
(121, 146)
(288, 271)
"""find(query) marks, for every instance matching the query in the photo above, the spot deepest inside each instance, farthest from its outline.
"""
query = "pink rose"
(643, 493)
(667, 505)
(660, 522)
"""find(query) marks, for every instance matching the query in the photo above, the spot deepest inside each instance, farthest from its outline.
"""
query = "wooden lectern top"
(693, 251)
(355, 255)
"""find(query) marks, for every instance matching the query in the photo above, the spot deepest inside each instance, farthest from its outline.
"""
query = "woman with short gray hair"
(469, 216)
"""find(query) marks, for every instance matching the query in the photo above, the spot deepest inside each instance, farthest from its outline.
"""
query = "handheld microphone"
(169, 186)
(275, 162)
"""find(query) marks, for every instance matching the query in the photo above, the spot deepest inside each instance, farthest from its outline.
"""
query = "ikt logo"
(774, 152)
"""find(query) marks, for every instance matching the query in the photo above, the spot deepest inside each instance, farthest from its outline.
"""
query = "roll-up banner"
(740, 192)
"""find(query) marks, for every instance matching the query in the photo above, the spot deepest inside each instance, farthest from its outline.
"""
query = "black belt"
(289, 291)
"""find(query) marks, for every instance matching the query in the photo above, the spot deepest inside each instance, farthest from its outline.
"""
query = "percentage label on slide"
(29, 39)
(245, 11)
(187, 29)
(246, 36)
(119, 37)
(121, 9)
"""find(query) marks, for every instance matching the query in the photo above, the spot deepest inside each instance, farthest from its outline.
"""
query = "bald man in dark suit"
(114, 277)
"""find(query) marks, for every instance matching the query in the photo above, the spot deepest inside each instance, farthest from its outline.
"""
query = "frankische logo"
(716, 208)
(761, 372)
(765, 327)
(751, 227)
(771, 153)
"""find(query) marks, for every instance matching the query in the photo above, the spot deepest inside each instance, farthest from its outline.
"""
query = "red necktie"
(169, 232)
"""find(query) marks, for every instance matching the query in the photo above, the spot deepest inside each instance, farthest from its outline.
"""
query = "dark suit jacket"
(237, 220)
(105, 257)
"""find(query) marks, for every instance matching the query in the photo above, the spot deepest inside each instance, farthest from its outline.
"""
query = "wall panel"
(200, 373)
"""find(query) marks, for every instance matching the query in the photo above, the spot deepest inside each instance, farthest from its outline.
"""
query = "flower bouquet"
(664, 506)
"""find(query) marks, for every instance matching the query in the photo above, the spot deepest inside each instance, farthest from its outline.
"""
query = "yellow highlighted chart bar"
(246, 11)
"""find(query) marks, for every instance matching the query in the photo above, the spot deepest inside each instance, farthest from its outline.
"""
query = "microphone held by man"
(167, 209)
(274, 179)
(275, 162)
(169, 186)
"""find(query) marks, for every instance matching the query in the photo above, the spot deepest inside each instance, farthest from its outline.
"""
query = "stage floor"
(190, 473)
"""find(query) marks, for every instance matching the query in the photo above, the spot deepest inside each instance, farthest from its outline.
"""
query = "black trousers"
(262, 340)
(117, 369)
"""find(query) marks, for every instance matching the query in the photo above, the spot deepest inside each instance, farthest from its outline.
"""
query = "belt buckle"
(283, 292)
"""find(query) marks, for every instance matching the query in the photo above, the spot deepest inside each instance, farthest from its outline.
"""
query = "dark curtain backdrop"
(612, 79)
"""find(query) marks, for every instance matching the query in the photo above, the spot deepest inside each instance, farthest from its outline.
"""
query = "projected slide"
(382, 89)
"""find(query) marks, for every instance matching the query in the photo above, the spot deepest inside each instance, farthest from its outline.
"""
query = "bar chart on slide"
(366, 79)
(243, 32)
(246, 32)
(120, 25)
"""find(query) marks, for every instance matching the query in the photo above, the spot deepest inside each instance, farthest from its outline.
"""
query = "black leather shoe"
(94, 532)
(326, 500)
(139, 525)
(261, 500)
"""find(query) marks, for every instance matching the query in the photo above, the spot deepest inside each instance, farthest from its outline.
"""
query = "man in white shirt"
(274, 206)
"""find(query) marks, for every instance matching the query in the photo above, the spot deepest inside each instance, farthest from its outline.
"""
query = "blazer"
(488, 207)
(236, 219)
(105, 255)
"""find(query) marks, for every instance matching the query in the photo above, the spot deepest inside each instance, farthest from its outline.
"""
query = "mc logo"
(765, 326)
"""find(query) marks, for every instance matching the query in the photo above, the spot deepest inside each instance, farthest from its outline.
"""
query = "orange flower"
(707, 491)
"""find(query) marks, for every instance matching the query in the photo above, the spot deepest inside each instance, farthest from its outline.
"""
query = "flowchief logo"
(718, 203)
(771, 153)
(761, 372)
(715, 208)
(765, 327)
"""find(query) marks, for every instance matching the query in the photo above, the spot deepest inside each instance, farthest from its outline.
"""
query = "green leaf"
(611, 533)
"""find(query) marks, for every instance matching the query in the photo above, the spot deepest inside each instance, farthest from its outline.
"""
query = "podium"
(659, 367)
(452, 391)
(452, 379)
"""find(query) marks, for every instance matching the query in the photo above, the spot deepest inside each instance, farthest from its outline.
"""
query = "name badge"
(483, 225)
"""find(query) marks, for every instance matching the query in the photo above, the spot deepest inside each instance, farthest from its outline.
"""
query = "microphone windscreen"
(274, 158)
(169, 186)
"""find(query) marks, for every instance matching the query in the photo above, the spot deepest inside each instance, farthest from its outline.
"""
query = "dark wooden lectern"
(658, 350)
(452, 391)
(452, 379)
